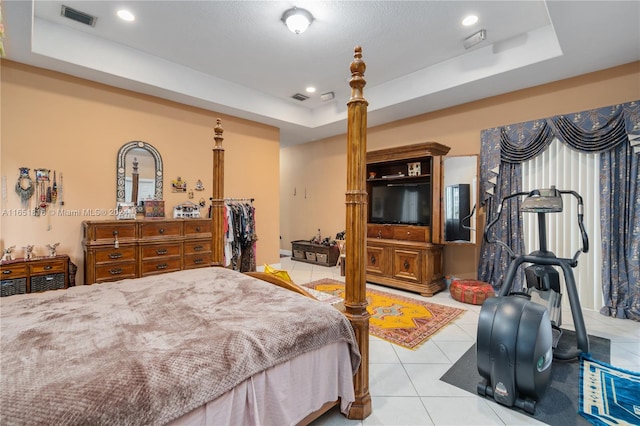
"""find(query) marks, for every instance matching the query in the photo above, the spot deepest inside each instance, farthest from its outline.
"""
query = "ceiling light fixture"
(297, 20)
(125, 15)
(310, 89)
(474, 39)
(469, 20)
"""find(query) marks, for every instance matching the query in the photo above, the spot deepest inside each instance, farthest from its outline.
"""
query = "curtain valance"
(593, 131)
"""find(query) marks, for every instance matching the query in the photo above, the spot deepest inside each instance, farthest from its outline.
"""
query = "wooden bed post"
(356, 202)
(217, 199)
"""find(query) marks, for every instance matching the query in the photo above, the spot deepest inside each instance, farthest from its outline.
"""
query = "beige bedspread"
(146, 351)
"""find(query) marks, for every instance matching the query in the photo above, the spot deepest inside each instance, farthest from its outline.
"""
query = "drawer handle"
(379, 234)
(406, 265)
(373, 260)
(198, 261)
(7, 271)
(161, 230)
(161, 251)
(197, 229)
(115, 255)
(197, 248)
(162, 266)
(47, 267)
(408, 232)
(115, 271)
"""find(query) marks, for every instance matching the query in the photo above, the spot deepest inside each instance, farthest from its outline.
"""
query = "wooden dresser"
(21, 276)
(119, 249)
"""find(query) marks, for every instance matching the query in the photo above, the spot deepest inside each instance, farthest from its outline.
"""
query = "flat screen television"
(405, 203)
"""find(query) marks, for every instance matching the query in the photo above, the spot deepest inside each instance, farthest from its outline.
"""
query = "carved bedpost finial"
(357, 81)
(218, 134)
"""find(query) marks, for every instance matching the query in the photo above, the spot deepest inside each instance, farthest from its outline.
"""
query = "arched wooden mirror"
(139, 173)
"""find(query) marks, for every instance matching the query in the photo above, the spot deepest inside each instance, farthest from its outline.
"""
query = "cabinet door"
(407, 265)
(375, 260)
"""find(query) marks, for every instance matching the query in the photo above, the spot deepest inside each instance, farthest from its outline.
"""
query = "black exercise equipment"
(518, 332)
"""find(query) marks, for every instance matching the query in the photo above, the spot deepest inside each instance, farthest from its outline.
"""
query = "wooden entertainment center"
(407, 255)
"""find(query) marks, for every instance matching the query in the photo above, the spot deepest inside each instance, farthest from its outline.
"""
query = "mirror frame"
(120, 171)
(474, 196)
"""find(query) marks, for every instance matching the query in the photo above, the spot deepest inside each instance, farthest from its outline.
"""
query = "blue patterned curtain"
(614, 132)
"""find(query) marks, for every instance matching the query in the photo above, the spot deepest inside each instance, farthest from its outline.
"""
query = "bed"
(199, 346)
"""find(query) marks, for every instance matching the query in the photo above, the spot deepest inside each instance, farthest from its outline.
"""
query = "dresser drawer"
(161, 250)
(196, 247)
(47, 267)
(13, 271)
(197, 260)
(160, 229)
(160, 266)
(113, 272)
(379, 231)
(121, 254)
(197, 227)
(109, 230)
(411, 233)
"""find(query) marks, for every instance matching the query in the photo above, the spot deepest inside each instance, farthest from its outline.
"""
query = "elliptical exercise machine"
(518, 332)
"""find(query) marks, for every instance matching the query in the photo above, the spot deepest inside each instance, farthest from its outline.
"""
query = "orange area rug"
(405, 321)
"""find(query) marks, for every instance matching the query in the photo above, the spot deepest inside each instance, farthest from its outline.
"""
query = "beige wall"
(320, 167)
(58, 122)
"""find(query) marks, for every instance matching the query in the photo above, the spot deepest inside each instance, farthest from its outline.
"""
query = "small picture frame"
(126, 211)
(154, 209)
(414, 169)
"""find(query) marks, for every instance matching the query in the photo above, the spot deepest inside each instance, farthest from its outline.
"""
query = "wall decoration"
(414, 169)
(126, 211)
(186, 210)
(24, 186)
(199, 186)
(178, 185)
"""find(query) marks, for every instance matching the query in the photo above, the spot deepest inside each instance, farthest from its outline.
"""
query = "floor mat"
(559, 404)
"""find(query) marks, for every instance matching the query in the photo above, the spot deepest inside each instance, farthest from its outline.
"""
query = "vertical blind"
(567, 169)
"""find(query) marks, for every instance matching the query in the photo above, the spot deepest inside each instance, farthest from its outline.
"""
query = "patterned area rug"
(609, 395)
(401, 320)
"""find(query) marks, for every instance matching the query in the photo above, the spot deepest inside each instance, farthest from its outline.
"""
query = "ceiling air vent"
(300, 97)
(78, 16)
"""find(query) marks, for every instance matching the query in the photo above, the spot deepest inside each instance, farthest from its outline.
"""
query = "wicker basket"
(11, 287)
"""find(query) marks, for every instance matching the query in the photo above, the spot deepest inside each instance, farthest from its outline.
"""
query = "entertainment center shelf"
(404, 230)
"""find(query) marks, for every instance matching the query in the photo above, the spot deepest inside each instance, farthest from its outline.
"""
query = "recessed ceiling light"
(125, 15)
(310, 89)
(469, 20)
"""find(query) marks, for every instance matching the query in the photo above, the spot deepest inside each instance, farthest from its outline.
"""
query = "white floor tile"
(426, 380)
(407, 411)
(427, 353)
(389, 380)
(464, 410)
(382, 352)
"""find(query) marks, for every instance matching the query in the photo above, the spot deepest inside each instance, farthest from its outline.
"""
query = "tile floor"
(404, 384)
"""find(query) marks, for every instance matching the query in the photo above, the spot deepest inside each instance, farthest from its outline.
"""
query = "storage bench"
(317, 254)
